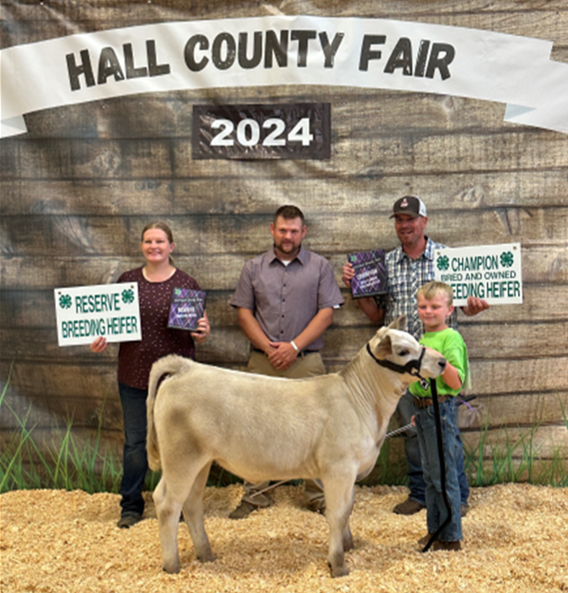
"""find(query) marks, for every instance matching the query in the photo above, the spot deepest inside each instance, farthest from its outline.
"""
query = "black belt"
(301, 354)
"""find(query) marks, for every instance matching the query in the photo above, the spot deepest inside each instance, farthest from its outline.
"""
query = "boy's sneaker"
(424, 540)
(447, 546)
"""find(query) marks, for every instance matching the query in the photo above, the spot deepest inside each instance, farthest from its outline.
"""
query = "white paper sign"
(490, 272)
(86, 312)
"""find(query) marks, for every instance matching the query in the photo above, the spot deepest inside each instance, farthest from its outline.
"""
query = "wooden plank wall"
(79, 186)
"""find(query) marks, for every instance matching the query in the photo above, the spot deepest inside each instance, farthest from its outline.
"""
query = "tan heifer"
(266, 428)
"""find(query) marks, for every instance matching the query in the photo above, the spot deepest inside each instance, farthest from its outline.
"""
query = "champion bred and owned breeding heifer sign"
(290, 131)
(490, 272)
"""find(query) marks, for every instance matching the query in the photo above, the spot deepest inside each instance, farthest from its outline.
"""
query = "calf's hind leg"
(338, 504)
(172, 492)
(168, 512)
(193, 515)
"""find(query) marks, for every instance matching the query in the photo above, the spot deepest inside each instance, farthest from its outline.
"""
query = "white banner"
(286, 50)
(86, 312)
(551, 110)
(490, 272)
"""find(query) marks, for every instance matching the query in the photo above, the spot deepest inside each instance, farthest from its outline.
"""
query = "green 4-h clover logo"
(507, 259)
(128, 296)
(65, 301)
(443, 262)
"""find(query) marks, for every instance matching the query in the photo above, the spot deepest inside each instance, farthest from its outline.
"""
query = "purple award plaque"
(186, 309)
(370, 273)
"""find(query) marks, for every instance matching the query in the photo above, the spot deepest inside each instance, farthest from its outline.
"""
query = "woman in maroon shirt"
(156, 281)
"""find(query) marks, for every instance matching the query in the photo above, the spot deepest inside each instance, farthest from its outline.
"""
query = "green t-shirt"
(450, 344)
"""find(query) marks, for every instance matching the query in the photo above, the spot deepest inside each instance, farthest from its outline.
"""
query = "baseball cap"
(411, 205)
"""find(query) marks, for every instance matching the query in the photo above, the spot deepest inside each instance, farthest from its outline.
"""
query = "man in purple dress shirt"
(285, 300)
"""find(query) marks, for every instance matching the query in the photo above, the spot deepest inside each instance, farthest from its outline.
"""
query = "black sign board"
(291, 131)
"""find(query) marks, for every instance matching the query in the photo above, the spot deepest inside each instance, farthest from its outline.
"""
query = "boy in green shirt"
(434, 307)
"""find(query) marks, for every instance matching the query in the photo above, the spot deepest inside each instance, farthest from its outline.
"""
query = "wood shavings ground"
(515, 541)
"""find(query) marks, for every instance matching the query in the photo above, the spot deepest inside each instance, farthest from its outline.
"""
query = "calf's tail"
(169, 365)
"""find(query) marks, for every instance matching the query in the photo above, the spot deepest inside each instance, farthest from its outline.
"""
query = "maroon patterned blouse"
(135, 359)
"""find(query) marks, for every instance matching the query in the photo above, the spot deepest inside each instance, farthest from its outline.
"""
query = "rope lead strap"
(440, 441)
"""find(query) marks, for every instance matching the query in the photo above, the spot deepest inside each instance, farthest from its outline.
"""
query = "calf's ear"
(384, 347)
(399, 323)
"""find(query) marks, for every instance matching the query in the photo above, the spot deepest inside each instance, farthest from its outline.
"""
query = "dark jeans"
(135, 459)
(406, 409)
(436, 510)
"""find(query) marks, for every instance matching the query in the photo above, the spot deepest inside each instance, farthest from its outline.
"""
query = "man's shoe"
(127, 521)
(317, 506)
(464, 510)
(243, 510)
(447, 546)
(408, 507)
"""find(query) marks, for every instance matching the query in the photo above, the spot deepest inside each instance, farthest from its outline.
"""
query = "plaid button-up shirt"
(405, 277)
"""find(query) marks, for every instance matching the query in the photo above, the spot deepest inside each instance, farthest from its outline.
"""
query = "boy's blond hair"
(432, 288)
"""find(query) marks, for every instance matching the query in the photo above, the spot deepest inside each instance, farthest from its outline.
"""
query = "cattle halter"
(412, 367)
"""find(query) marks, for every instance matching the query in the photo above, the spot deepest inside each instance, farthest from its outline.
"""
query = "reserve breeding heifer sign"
(490, 272)
(87, 312)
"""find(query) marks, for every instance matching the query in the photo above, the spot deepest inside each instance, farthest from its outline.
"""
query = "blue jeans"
(135, 459)
(464, 486)
(435, 503)
(406, 409)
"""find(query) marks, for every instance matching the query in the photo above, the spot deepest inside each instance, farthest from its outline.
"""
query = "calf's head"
(397, 350)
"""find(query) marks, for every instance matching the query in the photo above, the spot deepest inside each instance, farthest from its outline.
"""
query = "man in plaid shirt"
(409, 267)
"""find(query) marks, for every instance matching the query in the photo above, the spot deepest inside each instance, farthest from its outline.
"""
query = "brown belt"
(424, 402)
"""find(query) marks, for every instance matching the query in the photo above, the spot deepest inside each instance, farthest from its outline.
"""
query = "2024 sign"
(297, 131)
(248, 132)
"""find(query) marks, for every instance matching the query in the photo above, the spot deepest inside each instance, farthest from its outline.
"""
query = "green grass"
(71, 463)
(65, 462)
(515, 460)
